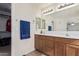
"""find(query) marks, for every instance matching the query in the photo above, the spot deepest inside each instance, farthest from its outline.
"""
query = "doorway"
(5, 29)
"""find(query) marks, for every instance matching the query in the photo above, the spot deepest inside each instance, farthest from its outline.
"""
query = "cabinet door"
(38, 42)
(71, 50)
(59, 49)
(49, 46)
(77, 52)
(42, 43)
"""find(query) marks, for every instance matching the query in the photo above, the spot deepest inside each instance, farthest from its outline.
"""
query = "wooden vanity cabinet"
(57, 46)
(44, 44)
(39, 43)
(60, 48)
(72, 50)
(49, 49)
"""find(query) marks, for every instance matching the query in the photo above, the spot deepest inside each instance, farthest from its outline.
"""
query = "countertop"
(62, 35)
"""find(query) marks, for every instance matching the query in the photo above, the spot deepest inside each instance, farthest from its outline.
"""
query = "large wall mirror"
(62, 20)
(66, 20)
(44, 24)
(40, 23)
(49, 23)
(73, 26)
(50, 26)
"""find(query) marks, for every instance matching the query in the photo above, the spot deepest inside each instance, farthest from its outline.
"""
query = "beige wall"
(25, 12)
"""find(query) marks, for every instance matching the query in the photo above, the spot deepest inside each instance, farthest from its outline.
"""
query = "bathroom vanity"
(58, 33)
(57, 46)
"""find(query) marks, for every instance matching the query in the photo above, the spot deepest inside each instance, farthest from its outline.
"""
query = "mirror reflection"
(72, 26)
(59, 20)
(65, 20)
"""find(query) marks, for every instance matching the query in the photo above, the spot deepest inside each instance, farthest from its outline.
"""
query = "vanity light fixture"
(64, 5)
(72, 24)
(47, 11)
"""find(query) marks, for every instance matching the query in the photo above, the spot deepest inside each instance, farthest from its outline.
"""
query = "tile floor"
(35, 53)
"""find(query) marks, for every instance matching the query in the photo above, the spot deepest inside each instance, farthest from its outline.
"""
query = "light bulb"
(72, 24)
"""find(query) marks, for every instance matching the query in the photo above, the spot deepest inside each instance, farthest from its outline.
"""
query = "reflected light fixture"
(72, 24)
